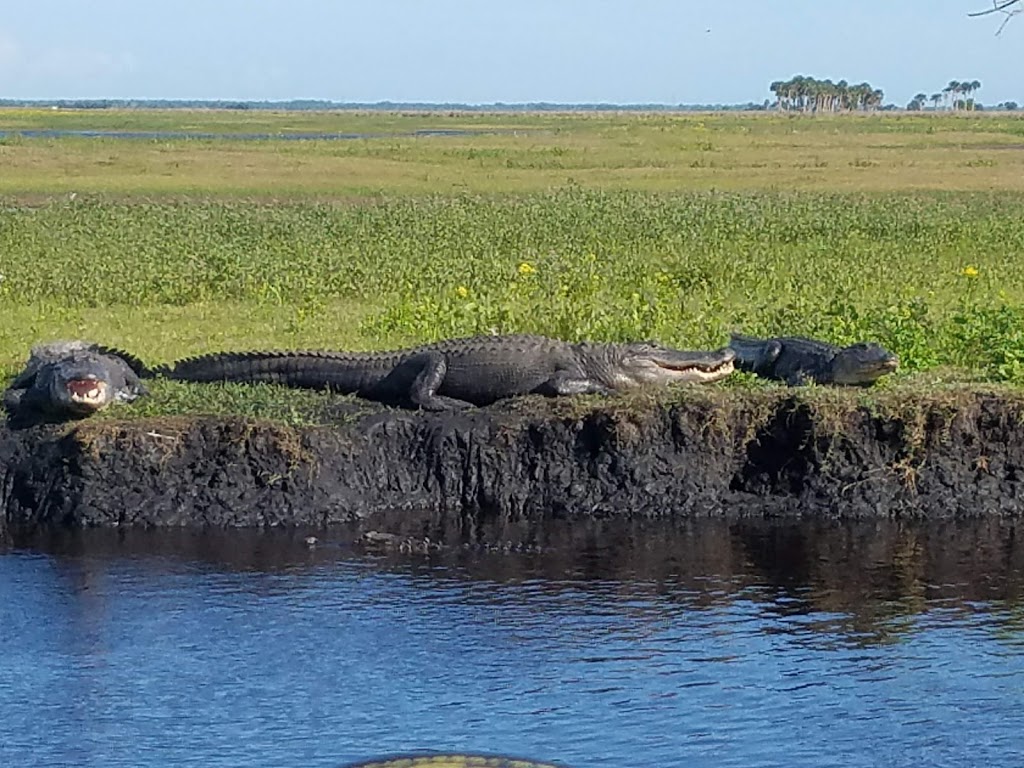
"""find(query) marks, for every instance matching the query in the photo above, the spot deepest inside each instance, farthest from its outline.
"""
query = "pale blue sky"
(623, 51)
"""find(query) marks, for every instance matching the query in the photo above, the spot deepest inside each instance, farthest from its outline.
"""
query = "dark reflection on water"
(629, 644)
(64, 133)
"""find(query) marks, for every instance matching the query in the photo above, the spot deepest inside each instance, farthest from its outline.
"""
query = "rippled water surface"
(717, 644)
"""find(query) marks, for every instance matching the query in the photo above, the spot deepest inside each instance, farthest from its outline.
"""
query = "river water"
(706, 643)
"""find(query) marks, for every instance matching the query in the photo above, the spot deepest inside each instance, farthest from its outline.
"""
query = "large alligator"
(797, 360)
(65, 380)
(457, 373)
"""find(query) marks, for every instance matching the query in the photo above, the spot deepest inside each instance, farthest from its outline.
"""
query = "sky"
(486, 51)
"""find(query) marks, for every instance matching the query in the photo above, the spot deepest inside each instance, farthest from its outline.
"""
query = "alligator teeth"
(88, 391)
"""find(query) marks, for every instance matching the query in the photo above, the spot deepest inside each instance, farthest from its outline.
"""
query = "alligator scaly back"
(456, 373)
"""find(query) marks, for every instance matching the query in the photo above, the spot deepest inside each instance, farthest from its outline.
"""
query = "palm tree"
(843, 91)
(974, 85)
(935, 98)
(808, 94)
(863, 95)
(951, 91)
(918, 100)
(798, 87)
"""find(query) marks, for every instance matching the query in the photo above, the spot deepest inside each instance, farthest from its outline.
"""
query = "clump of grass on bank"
(264, 402)
(936, 278)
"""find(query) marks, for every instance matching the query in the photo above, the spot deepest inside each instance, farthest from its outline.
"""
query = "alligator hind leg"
(423, 391)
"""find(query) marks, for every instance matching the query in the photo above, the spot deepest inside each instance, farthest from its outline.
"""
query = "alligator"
(797, 360)
(65, 380)
(462, 372)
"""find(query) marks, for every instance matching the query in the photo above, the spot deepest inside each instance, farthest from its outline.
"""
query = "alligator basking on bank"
(457, 373)
(65, 380)
(797, 360)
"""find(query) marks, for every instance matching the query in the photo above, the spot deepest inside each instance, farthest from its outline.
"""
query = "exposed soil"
(774, 453)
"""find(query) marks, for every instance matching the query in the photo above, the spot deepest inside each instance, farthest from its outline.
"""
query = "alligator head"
(863, 363)
(80, 385)
(645, 363)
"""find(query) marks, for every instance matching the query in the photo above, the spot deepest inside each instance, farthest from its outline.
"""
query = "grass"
(515, 153)
(937, 279)
(903, 229)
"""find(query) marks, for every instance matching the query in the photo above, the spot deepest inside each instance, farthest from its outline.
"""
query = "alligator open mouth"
(710, 372)
(89, 392)
(704, 367)
(696, 372)
(699, 371)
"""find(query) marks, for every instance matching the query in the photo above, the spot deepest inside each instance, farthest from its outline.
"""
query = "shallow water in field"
(704, 643)
(65, 133)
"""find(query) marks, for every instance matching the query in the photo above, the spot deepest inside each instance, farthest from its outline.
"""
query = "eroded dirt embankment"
(943, 454)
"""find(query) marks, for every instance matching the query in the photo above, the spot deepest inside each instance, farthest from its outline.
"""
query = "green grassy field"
(515, 153)
(903, 229)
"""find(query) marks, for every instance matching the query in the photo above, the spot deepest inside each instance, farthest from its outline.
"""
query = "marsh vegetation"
(903, 229)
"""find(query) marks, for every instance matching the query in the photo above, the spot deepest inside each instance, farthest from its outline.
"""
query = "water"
(62, 133)
(709, 643)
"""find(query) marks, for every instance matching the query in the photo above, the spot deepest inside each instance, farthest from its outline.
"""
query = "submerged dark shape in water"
(65, 380)
(797, 360)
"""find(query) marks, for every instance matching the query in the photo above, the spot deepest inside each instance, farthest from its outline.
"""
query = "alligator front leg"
(12, 399)
(131, 391)
(565, 383)
(799, 379)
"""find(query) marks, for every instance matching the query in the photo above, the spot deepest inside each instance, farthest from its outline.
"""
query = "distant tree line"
(808, 94)
(950, 97)
(806, 99)
(386, 106)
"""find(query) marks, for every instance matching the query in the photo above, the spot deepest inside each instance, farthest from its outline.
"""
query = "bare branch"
(997, 7)
(1009, 9)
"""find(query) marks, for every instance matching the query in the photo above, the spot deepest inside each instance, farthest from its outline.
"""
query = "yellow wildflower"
(526, 268)
(463, 291)
(969, 271)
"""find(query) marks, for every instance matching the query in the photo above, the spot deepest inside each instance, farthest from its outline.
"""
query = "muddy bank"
(710, 453)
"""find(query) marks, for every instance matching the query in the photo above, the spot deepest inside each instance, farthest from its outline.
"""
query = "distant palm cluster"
(955, 96)
(808, 94)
